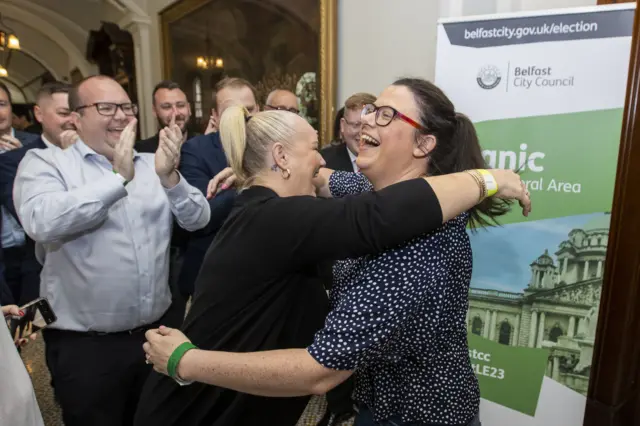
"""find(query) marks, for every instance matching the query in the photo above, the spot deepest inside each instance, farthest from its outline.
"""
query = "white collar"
(46, 142)
(351, 154)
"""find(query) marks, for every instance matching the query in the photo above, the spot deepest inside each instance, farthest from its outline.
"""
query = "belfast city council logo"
(488, 77)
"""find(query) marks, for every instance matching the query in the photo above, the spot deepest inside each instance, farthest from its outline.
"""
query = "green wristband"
(176, 356)
(115, 172)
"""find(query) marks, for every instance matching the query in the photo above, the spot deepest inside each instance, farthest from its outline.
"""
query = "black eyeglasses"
(281, 108)
(385, 115)
(110, 109)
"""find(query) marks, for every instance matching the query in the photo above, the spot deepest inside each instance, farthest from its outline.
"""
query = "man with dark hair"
(21, 269)
(169, 101)
(203, 158)
(343, 156)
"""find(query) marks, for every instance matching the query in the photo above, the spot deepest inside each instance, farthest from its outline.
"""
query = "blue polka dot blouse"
(398, 319)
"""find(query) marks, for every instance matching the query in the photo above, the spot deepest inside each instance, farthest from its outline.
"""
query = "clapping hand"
(68, 138)
(8, 143)
(167, 156)
(212, 126)
(123, 155)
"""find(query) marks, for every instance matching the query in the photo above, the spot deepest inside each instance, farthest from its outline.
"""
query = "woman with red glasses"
(397, 318)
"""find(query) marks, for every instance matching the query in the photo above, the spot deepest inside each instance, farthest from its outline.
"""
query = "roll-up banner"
(546, 91)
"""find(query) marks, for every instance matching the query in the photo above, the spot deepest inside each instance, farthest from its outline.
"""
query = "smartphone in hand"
(37, 315)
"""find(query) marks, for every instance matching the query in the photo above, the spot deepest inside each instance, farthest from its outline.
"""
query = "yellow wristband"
(490, 182)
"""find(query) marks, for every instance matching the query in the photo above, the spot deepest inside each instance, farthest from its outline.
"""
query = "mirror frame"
(327, 55)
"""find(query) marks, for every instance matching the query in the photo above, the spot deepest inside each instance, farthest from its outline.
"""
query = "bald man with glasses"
(101, 215)
(282, 100)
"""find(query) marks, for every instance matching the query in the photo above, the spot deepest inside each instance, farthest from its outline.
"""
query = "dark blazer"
(26, 138)
(337, 157)
(150, 145)
(200, 160)
(259, 289)
(6, 297)
(9, 162)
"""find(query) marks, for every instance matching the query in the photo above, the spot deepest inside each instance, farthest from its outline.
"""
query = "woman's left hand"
(9, 310)
(160, 345)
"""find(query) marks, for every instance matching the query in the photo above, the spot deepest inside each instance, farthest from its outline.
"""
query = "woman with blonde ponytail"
(259, 290)
(234, 141)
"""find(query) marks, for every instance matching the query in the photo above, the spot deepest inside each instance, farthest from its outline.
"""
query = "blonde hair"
(247, 139)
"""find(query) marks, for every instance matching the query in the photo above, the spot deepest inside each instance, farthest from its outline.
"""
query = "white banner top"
(484, 56)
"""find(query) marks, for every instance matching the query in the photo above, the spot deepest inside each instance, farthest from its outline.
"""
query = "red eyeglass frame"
(396, 113)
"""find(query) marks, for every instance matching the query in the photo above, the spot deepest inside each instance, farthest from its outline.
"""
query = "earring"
(286, 174)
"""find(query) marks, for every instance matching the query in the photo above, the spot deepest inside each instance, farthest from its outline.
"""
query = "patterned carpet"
(33, 356)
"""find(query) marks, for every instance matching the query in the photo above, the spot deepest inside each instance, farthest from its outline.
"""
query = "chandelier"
(208, 62)
(8, 40)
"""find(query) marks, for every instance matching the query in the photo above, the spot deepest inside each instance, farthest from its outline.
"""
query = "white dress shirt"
(47, 143)
(353, 157)
(104, 247)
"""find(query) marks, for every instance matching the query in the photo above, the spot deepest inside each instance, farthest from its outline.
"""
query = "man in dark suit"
(168, 101)
(341, 155)
(22, 270)
(9, 137)
(203, 158)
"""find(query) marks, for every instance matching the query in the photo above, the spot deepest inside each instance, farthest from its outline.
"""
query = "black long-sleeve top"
(259, 289)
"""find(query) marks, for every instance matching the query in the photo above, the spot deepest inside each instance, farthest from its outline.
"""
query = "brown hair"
(246, 139)
(358, 100)
(457, 146)
(233, 82)
(51, 88)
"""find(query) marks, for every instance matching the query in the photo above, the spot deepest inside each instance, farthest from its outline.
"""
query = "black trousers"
(98, 378)
(22, 273)
(6, 297)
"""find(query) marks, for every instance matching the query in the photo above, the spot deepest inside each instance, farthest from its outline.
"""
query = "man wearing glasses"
(342, 156)
(101, 216)
(282, 100)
